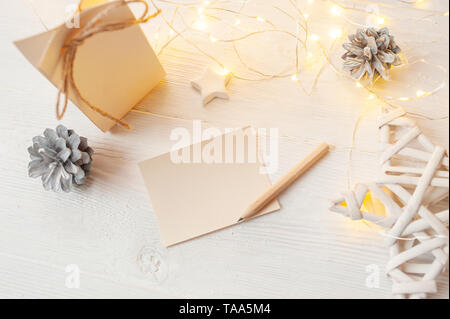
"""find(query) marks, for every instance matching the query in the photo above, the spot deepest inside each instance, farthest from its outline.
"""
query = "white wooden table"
(302, 251)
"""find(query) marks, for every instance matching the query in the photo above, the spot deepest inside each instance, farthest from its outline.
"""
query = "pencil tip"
(240, 219)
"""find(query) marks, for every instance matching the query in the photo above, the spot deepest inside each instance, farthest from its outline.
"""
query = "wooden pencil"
(284, 182)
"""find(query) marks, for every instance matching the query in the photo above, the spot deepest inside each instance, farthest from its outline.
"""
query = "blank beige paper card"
(193, 199)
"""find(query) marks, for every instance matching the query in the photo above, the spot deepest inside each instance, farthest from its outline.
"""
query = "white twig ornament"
(410, 199)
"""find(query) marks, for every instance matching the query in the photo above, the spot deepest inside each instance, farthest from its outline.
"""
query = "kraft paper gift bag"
(113, 70)
(194, 199)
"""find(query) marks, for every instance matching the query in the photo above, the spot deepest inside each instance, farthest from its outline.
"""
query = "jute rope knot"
(72, 44)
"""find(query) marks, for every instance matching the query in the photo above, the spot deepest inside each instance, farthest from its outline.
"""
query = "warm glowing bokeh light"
(199, 25)
(315, 37)
(335, 10)
(335, 33)
(225, 71)
(421, 93)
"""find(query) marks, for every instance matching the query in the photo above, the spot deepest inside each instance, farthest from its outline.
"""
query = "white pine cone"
(370, 54)
(60, 158)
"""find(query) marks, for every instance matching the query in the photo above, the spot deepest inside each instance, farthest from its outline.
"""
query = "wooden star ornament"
(212, 85)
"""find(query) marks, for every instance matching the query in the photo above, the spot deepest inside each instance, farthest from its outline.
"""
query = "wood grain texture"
(304, 251)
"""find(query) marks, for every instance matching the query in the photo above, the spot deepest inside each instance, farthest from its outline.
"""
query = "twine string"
(71, 46)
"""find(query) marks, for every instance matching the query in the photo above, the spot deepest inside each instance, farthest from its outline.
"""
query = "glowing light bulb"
(335, 10)
(315, 37)
(421, 93)
(199, 25)
(212, 38)
(380, 20)
(225, 71)
(260, 19)
(335, 33)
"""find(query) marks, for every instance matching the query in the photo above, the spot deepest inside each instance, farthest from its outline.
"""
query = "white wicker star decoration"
(410, 199)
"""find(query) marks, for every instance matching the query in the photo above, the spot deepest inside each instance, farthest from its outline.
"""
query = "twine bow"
(70, 48)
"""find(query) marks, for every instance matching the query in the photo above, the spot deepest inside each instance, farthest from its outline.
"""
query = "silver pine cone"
(370, 54)
(61, 158)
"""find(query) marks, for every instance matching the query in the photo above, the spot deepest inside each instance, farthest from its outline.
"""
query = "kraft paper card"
(113, 70)
(194, 199)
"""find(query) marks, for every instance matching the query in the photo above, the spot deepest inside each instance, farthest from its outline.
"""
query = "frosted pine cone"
(60, 158)
(370, 54)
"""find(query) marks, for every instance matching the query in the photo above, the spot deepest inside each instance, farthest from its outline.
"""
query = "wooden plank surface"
(103, 227)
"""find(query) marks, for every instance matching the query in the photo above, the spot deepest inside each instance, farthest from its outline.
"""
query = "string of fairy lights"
(205, 14)
(305, 38)
(301, 13)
